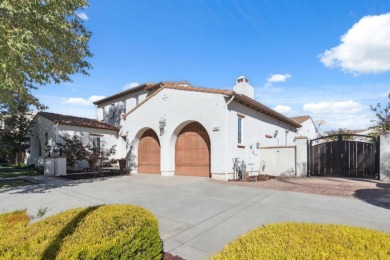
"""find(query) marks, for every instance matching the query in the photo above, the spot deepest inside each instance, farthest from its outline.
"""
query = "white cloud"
(78, 101)
(348, 106)
(95, 98)
(82, 101)
(282, 109)
(277, 78)
(364, 49)
(82, 16)
(130, 85)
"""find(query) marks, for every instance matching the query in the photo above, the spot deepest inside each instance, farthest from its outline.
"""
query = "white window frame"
(96, 144)
(239, 130)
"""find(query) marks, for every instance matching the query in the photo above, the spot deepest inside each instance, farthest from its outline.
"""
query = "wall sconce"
(162, 124)
(258, 145)
(276, 133)
(60, 148)
(46, 138)
(48, 150)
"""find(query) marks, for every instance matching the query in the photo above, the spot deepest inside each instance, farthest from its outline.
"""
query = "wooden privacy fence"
(344, 155)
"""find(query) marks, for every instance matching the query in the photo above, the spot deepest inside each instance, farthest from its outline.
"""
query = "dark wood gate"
(344, 155)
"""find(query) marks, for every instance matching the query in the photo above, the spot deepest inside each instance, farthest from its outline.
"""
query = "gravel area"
(366, 189)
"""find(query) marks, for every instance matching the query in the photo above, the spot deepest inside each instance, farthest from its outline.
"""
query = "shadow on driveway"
(45, 184)
(379, 197)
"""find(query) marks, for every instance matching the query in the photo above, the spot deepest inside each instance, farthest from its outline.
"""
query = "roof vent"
(243, 87)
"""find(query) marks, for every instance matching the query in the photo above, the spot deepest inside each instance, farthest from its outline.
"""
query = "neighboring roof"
(77, 121)
(237, 97)
(300, 119)
(347, 131)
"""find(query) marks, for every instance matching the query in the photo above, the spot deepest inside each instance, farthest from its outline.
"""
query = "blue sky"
(328, 59)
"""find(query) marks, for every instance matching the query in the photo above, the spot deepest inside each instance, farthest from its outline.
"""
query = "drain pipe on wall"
(226, 138)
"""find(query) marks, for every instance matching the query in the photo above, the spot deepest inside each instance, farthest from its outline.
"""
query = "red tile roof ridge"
(300, 119)
(76, 121)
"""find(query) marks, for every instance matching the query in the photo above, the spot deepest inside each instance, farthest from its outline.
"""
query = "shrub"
(308, 241)
(100, 232)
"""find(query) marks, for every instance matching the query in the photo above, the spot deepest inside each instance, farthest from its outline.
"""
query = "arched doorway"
(149, 153)
(193, 151)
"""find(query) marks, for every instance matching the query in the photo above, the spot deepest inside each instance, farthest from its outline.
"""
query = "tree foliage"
(41, 42)
(74, 150)
(99, 157)
(382, 113)
(15, 137)
(342, 131)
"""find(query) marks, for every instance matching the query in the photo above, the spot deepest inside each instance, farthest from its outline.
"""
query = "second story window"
(239, 130)
(112, 111)
(124, 106)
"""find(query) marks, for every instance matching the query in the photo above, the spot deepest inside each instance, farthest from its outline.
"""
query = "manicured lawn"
(9, 172)
(14, 183)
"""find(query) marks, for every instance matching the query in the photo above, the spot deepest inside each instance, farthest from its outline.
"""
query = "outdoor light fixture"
(276, 133)
(162, 124)
(46, 138)
(60, 145)
(48, 150)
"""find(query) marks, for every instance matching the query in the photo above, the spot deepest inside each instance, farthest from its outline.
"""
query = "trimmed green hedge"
(308, 241)
(100, 232)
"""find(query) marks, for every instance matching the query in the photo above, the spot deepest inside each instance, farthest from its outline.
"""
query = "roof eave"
(264, 110)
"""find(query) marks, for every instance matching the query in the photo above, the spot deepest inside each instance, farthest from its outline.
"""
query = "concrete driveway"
(197, 216)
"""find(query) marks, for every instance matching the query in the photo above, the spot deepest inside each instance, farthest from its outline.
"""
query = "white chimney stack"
(243, 87)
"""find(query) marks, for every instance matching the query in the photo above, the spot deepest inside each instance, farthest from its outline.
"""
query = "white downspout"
(226, 138)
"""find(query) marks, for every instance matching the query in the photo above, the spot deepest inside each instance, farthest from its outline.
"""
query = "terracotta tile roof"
(300, 119)
(147, 86)
(124, 93)
(77, 121)
(183, 85)
(264, 109)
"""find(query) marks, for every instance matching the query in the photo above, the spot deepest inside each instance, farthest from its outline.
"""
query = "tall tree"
(15, 137)
(41, 42)
(382, 113)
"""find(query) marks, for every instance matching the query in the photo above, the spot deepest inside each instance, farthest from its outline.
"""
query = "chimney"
(243, 87)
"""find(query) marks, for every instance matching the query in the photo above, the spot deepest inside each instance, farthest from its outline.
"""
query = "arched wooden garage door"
(149, 153)
(193, 151)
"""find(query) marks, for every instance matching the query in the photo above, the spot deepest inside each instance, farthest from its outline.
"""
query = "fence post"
(384, 156)
(301, 162)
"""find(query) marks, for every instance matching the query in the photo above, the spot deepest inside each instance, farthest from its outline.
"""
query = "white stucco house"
(174, 128)
(49, 128)
(308, 127)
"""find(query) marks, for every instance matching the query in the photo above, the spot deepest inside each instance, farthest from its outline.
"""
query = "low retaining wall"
(278, 161)
(285, 160)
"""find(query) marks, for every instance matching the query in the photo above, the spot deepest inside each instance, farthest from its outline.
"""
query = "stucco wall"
(257, 128)
(40, 126)
(178, 108)
(308, 129)
(116, 105)
(278, 161)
